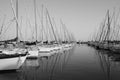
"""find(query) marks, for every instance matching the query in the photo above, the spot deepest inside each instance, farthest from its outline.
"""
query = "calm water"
(80, 63)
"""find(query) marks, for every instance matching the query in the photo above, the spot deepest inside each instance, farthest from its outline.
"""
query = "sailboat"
(12, 58)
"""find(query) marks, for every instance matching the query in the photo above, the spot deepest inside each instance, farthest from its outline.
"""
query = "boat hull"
(11, 63)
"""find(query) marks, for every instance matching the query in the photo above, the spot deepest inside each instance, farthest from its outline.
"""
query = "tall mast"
(108, 31)
(35, 18)
(108, 27)
(51, 25)
(42, 24)
(17, 19)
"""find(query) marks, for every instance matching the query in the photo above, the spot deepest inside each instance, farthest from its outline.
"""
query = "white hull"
(11, 63)
(14, 61)
(33, 53)
(44, 49)
(44, 54)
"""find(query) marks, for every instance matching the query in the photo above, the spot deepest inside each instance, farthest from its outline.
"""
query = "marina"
(14, 51)
(59, 40)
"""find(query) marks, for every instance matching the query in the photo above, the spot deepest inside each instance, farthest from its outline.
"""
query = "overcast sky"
(82, 17)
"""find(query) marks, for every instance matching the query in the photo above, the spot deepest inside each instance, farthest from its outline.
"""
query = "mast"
(16, 21)
(102, 31)
(108, 28)
(42, 24)
(15, 13)
(56, 30)
(62, 26)
(50, 36)
(35, 18)
(51, 25)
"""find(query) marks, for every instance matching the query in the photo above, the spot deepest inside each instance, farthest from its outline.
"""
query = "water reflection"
(44, 68)
(104, 63)
(110, 63)
(78, 63)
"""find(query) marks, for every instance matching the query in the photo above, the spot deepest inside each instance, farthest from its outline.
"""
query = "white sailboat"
(12, 58)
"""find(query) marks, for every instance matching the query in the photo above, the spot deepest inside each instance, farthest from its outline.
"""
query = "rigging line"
(114, 24)
(5, 30)
(20, 28)
(51, 24)
(49, 30)
(35, 18)
(55, 29)
(108, 26)
(65, 36)
(117, 17)
(41, 20)
(15, 16)
(67, 32)
(61, 31)
(110, 22)
(115, 21)
(2, 24)
(51, 35)
(8, 22)
(103, 28)
(117, 36)
(31, 28)
(28, 19)
(102, 31)
(8, 25)
(28, 24)
(42, 25)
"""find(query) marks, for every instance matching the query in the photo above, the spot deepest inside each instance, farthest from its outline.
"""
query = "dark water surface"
(80, 63)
